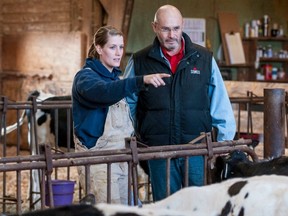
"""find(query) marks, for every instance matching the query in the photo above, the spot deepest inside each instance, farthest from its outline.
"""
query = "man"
(194, 99)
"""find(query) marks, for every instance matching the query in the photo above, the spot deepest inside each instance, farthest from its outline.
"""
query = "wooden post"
(274, 123)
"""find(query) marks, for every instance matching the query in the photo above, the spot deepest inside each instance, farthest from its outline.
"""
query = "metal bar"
(18, 133)
(168, 180)
(209, 158)
(186, 176)
(87, 179)
(43, 190)
(274, 121)
(46, 151)
(5, 101)
(18, 196)
(130, 183)
(239, 121)
(135, 161)
(108, 182)
(74, 161)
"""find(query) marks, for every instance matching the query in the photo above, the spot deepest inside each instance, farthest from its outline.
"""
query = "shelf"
(248, 71)
(223, 65)
(274, 81)
(266, 39)
(273, 59)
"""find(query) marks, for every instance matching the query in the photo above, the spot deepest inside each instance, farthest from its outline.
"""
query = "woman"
(100, 113)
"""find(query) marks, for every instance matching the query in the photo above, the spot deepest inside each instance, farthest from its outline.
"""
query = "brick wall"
(41, 44)
(1, 27)
(42, 48)
(44, 43)
(21, 16)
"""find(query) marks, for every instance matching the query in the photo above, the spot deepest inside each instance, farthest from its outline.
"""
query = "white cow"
(104, 210)
(255, 196)
(265, 195)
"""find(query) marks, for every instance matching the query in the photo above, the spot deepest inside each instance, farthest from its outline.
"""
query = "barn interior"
(44, 43)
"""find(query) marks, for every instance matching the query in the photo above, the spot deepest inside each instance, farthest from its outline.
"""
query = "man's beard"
(170, 47)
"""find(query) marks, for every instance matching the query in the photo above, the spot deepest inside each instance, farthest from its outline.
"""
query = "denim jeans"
(158, 175)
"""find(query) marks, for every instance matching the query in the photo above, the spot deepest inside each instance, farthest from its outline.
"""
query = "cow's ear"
(220, 161)
(42, 119)
(89, 199)
(219, 167)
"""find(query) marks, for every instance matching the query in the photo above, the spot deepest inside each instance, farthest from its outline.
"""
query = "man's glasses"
(165, 29)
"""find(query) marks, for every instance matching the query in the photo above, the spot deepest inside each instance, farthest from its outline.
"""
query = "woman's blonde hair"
(101, 38)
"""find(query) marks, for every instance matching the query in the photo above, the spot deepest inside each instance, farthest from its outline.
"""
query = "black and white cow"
(44, 130)
(105, 210)
(45, 122)
(237, 164)
(258, 196)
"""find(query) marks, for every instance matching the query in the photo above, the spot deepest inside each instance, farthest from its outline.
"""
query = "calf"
(46, 122)
(104, 210)
(237, 164)
(45, 130)
(258, 196)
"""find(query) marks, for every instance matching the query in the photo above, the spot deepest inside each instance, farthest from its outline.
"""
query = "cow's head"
(226, 166)
(46, 120)
(39, 96)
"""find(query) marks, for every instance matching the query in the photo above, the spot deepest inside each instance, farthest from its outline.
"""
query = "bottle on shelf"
(274, 73)
(269, 51)
(281, 31)
(259, 52)
(267, 71)
(281, 74)
(247, 30)
(266, 21)
(274, 30)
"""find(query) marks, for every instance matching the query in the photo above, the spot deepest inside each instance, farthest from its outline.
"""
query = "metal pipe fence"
(52, 158)
(47, 161)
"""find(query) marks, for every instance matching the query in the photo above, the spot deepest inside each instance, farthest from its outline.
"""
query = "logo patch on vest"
(195, 71)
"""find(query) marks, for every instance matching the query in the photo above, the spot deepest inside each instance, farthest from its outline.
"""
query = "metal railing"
(48, 163)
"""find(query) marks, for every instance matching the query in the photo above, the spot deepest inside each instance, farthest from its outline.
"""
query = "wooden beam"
(127, 18)
(119, 13)
(115, 11)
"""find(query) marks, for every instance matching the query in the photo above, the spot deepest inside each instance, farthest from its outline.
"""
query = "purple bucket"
(63, 191)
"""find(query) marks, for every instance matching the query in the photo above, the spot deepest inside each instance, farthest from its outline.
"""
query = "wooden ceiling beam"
(119, 13)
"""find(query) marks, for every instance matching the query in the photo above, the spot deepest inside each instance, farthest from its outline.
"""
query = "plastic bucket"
(63, 191)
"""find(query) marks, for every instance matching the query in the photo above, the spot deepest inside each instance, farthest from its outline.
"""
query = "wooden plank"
(228, 23)
(235, 48)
